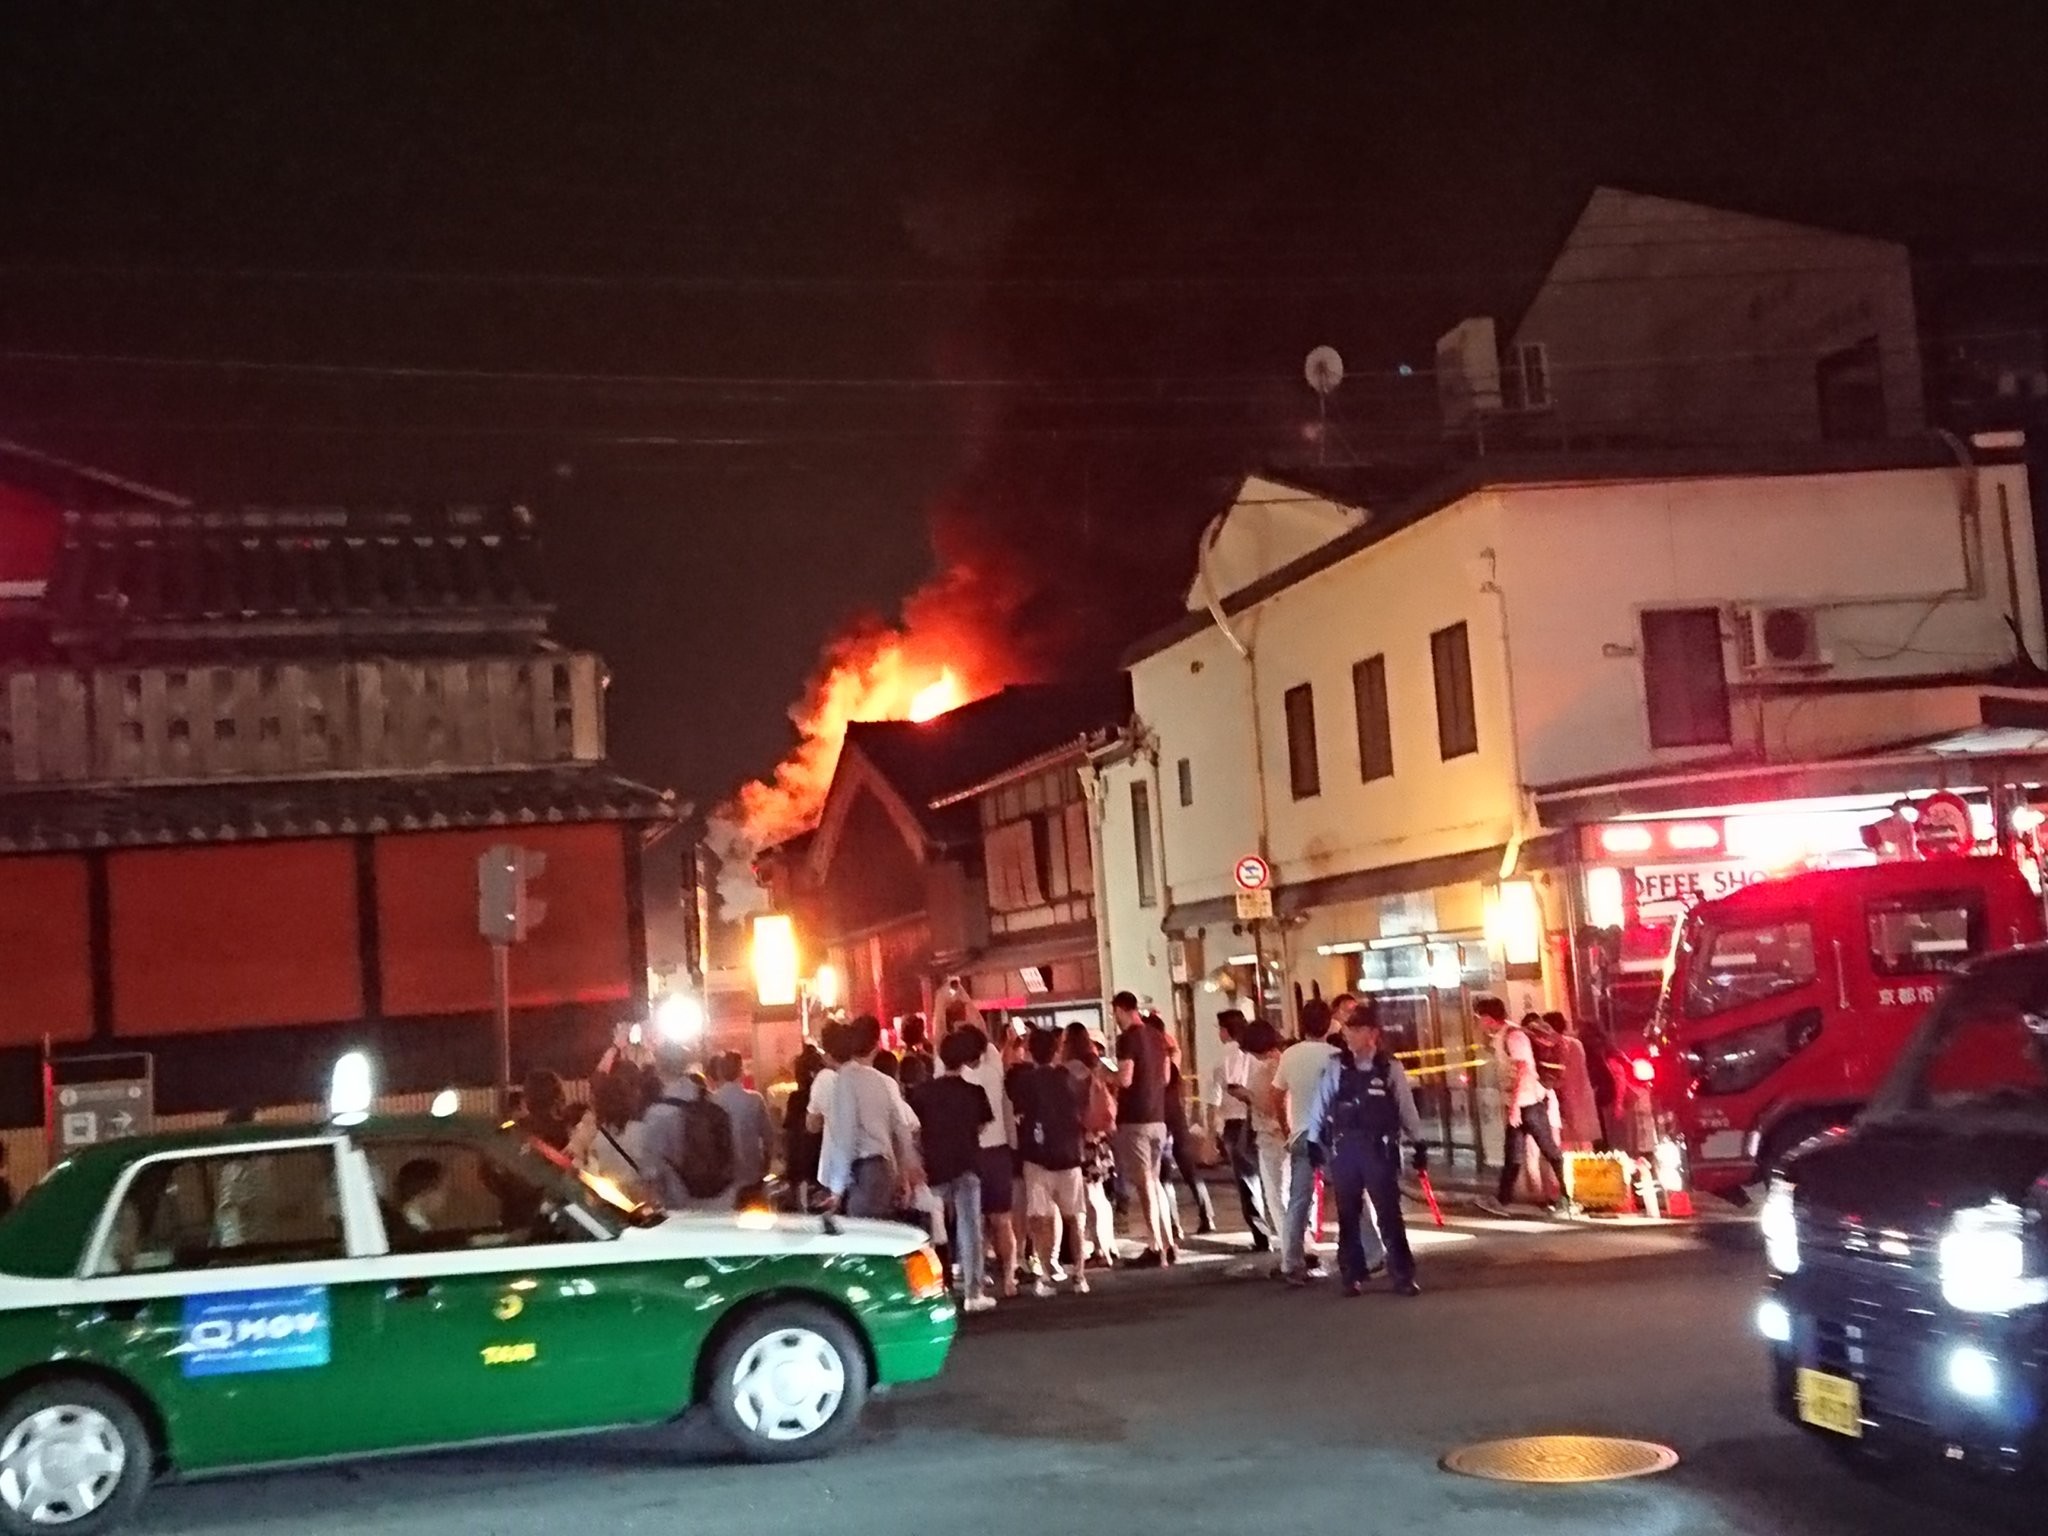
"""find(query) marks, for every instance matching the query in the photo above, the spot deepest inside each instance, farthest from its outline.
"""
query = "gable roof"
(928, 762)
(1508, 471)
(918, 769)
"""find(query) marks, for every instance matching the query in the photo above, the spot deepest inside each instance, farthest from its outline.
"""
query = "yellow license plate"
(1833, 1403)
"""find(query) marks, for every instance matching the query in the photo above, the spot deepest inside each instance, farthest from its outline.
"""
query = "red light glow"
(1693, 836)
(1643, 1069)
(1629, 839)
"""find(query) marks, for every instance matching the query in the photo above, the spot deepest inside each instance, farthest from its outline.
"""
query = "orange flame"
(872, 676)
(939, 698)
(942, 655)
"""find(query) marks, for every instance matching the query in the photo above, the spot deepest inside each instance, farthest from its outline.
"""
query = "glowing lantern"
(1514, 923)
(775, 960)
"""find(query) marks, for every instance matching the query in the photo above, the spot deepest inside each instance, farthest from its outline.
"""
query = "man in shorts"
(1049, 1140)
(1144, 1066)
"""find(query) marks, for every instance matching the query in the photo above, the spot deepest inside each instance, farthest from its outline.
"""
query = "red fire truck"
(1786, 1002)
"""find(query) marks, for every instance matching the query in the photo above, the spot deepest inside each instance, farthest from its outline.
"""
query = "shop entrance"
(1424, 989)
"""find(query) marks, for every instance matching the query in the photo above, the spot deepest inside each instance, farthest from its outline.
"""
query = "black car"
(1908, 1310)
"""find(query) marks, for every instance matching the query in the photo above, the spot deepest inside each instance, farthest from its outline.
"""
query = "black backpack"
(707, 1164)
(1054, 1124)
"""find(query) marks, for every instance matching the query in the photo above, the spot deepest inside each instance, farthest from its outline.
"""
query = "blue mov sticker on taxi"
(232, 1332)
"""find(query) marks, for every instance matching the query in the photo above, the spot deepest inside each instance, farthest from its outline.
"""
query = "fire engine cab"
(1786, 1002)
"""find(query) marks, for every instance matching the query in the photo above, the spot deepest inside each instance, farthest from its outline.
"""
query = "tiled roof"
(930, 761)
(262, 573)
(40, 821)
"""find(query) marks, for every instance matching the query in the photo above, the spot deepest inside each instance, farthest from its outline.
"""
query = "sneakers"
(1041, 1288)
(1407, 1287)
(1491, 1206)
(1151, 1258)
(1081, 1286)
(979, 1302)
(1354, 1287)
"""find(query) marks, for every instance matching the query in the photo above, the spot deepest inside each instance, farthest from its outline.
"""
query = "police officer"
(1361, 1111)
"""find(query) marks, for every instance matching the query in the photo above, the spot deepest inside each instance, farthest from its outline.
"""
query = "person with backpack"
(1050, 1140)
(1361, 1111)
(868, 1162)
(1525, 1103)
(687, 1139)
(753, 1129)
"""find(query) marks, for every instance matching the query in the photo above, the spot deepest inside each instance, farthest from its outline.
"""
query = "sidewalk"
(1458, 1190)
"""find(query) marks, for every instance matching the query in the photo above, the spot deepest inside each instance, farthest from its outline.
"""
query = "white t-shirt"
(988, 1074)
(821, 1092)
(1520, 1083)
(1299, 1075)
(1233, 1071)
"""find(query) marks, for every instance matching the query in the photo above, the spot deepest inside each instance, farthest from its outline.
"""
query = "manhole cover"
(1561, 1459)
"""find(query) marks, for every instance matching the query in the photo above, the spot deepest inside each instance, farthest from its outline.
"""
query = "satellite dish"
(1324, 370)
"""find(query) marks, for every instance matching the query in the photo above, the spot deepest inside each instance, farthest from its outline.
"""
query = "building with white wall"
(1668, 321)
(1416, 720)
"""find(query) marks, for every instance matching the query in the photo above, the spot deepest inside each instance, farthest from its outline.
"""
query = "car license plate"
(1833, 1403)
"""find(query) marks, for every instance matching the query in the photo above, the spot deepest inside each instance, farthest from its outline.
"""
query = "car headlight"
(1984, 1261)
(1780, 1228)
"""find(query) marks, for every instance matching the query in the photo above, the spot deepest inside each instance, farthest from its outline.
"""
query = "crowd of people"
(1019, 1147)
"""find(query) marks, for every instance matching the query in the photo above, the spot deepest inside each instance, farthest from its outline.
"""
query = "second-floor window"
(1184, 770)
(1304, 771)
(1457, 720)
(1684, 678)
(1375, 728)
(1141, 839)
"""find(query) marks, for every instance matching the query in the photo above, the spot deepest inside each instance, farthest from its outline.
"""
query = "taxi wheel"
(73, 1457)
(788, 1382)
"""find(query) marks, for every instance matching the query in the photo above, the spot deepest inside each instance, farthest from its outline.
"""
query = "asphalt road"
(1214, 1400)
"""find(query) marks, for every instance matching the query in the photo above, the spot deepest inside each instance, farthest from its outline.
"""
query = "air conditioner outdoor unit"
(1780, 640)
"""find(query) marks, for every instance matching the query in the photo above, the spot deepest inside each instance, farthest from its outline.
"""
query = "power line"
(432, 373)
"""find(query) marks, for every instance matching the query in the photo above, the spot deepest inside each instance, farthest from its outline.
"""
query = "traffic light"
(506, 908)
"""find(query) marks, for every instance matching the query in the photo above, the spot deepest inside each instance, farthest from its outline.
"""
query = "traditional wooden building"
(248, 759)
(911, 877)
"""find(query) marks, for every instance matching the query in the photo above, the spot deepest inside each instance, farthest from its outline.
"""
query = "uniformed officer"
(1362, 1110)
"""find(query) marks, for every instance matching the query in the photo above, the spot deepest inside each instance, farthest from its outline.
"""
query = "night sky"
(772, 307)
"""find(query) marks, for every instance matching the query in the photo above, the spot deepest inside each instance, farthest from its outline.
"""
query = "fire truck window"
(1733, 966)
(1924, 935)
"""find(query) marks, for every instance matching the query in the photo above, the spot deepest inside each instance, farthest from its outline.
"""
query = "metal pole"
(1259, 972)
(501, 1003)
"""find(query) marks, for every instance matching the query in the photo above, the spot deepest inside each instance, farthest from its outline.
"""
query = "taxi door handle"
(409, 1290)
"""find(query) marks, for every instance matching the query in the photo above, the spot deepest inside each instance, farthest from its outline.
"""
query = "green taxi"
(252, 1296)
